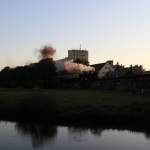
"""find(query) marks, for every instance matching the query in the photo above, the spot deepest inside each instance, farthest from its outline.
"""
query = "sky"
(116, 30)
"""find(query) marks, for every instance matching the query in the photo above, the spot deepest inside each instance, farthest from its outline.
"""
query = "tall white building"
(78, 54)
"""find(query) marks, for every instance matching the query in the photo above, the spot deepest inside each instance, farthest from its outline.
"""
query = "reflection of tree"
(147, 135)
(77, 133)
(77, 130)
(97, 131)
(40, 133)
(82, 131)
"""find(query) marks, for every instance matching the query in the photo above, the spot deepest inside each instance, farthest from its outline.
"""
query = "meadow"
(69, 105)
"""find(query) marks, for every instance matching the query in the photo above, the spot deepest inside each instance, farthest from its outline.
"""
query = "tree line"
(41, 74)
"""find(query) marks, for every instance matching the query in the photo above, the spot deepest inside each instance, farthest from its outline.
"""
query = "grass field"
(73, 105)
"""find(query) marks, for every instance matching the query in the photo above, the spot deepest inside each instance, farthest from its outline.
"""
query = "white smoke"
(72, 67)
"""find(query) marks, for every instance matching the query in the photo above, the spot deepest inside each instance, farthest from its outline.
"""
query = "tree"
(81, 61)
(46, 69)
(45, 73)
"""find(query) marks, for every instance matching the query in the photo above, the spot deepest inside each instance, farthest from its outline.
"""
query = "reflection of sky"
(10, 140)
(72, 138)
(111, 29)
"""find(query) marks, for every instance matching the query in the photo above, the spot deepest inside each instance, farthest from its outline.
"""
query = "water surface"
(20, 136)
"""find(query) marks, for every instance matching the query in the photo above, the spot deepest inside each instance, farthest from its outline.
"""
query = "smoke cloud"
(64, 65)
(72, 67)
(47, 52)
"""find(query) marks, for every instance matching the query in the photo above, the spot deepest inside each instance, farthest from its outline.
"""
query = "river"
(22, 136)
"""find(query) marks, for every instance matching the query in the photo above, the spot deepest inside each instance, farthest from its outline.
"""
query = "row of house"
(106, 69)
(110, 70)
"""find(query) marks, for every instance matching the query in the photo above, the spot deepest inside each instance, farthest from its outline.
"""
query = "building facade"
(103, 69)
(78, 54)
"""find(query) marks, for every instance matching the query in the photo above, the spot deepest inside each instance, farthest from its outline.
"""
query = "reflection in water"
(54, 137)
(77, 130)
(147, 135)
(97, 131)
(82, 131)
(40, 133)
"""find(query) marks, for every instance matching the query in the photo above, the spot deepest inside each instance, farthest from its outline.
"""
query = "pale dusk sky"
(109, 29)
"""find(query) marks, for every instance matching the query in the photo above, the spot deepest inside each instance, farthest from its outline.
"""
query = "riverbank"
(73, 106)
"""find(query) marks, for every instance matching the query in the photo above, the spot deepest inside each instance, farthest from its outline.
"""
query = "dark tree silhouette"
(41, 74)
(81, 61)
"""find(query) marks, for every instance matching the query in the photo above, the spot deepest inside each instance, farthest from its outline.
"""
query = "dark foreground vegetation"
(92, 106)
(41, 74)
